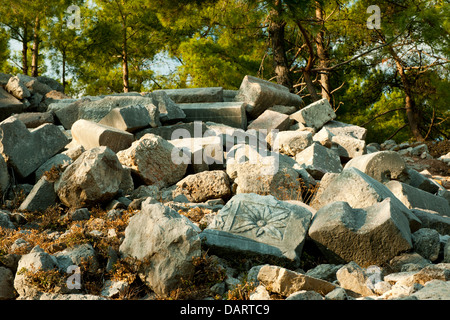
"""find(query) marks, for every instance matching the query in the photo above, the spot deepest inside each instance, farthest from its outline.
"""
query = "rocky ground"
(125, 197)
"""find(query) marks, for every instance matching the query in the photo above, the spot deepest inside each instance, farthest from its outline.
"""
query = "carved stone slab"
(260, 225)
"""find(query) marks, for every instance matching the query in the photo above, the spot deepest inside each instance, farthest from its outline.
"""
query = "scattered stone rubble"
(312, 187)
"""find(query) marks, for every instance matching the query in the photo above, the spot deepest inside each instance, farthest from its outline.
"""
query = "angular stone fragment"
(383, 166)
(55, 161)
(204, 186)
(433, 220)
(194, 95)
(229, 113)
(130, 118)
(339, 128)
(270, 120)
(352, 277)
(41, 197)
(285, 282)
(262, 172)
(380, 231)
(290, 142)
(168, 109)
(153, 160)
(262, 225)
(166, 241)
(38, 145)
(35, 119)
(9, 104)
(17, 88)
(260, 95)
(6, 284)
(360, 191)
(91, 135)
(319, 160)
(94, 178)
(416, 198)
(426, 243)
(434, 290)
(315, 115)
(324, 137)
(348, 147)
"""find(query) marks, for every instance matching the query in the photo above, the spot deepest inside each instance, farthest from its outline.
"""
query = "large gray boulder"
(166, 241)
(9, 104)
(416, 198)
(95, 177)
(260, 95)
(360, 191)
(151, 159)
(369, 236)
(290, 142)
(168, 109)
(38, 145)
(262, 225)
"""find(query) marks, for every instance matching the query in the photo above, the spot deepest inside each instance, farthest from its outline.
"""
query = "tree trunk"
(322, 54)
(126, 87)
(412, 112)
(64, 70)
(35, 57)
(276, 34)
(25, 49)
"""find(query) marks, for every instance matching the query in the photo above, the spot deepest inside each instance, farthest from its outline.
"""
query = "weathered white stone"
(348, 147)
(434, 290)
(95, 177)
(260, 95)
(34, 261)
(167, 241)
(285, 282)
(262, 172)
(150, 158)
(263, 225)
(91, 135)
(354, 278)
(290, 142)
(305, 295)
(380, 232)
(339, 128)
(319, 160)
(324, 137)
(17, 88)
(383, 166)
(315, 115)
(130, 118)
(77, 255)
(38, 145)
(270, 120)
(204, 186)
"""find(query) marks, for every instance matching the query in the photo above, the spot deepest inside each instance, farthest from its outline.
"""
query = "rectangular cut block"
(315, 115)
(25, 150)
(195, 95)
(229, 113)
(270, 120)
(130, 118)
(255, 224)
(90, 135)
(260, 95)
(191, 129)
(8, 104)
